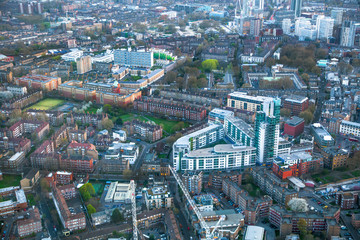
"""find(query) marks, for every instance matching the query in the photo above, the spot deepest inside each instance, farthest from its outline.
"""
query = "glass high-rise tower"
(267, 130)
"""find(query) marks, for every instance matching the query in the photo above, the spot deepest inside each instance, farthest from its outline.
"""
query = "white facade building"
(72, 56)
(134, 58)
(196, 140)
(222, 156)
(350, 128)
(324, 27)
(286, 26)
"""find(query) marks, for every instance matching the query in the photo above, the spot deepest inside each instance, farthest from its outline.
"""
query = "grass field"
(99, 187)
(47, 104)
(356, 173)
(10, 181)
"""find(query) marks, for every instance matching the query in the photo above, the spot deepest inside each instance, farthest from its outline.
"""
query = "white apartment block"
(350, 128)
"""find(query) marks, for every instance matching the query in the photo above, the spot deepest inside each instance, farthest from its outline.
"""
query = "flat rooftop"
(296, 99)
(294, 121)
(244, 96)
(185, 139)
(242, 125)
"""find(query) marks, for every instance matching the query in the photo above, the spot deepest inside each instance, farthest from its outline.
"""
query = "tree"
(284, 112)
(90, 188)
(302, 226)
(117, 216)
(270, 62)
(180, 83)
(316, 70)
(152, 237)
(107, 124)
(171, 29)
(127, 173)
(298, 205)
(210, 64)
(119, 121)
(90, 209)
(356, 62)
(305, 77)
(170, 77)
(307, 116)
(107, 108)
(44, 185)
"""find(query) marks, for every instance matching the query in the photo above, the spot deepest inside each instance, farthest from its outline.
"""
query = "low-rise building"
(350, 128)
(322, 138)
(335, 158)
(158, 197)
(41, 82)
(193, 182)
(355, 220)
(347, 200)
(294, 127)
(296, 104)
(9, 207)
(118, 192)
(31, 224)
(296, 164)
(218, 115)
(70, 220)
(30, 179)
(273, 186)
(148, 131)
(287, 221)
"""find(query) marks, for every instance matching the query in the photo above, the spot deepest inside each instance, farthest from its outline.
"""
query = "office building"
(238, 131)
(158, 197)
(267, 130)
(218, 115)
(222, 156)
(294, 126)
(196, 140)
(193, 182)
(134, 58)
(324, 27)
(350, 128)
(321, 136)
(84, 65)
(296, 6)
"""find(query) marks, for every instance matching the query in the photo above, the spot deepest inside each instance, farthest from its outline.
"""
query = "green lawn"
(10, 181)
(47, 104)
(356, 173)
(167, 124)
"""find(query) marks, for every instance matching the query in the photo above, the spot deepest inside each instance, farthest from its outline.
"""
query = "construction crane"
(209, 235)
(133, 209)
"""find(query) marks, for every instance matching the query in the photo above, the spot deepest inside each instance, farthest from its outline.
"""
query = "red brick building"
(355, 220)
(347, 200)
(40, 82)
(68, 191)
(72, 221)
(294, 127)
(170, 108)
(76, 163)
(287, 221)
(296, 104)
(28, 126)
(31, 224)
(15, 144)
(296, 164)
(82, 149)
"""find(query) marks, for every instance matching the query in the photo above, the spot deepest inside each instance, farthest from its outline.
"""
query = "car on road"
(343, 227)
(347, 234)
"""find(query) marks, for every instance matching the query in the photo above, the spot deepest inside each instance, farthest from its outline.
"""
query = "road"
(350, 228)
(321, 98)
(145, 149)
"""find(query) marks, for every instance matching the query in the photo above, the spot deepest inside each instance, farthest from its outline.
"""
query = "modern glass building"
(238, 131)
(267, 130)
